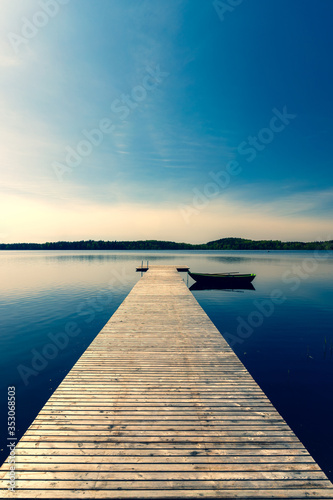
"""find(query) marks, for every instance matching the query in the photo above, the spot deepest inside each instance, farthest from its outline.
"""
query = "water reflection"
(289, 354)
(216, 286)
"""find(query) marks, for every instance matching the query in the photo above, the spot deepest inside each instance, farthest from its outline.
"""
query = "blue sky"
(186, 92)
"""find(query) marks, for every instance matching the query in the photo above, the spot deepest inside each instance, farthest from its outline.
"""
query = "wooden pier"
(160, 407)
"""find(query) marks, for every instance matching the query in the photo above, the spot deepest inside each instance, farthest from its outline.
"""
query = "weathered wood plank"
(82, 482)
(296, 478)
(149, 494)
(107, 449)
(167, 467)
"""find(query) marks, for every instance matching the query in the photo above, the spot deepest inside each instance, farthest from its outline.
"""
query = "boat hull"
(223, 279)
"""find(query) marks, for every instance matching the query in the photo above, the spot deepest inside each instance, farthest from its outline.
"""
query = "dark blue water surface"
(52, 305)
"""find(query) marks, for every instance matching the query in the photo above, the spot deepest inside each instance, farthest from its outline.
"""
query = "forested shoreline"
(221, 244)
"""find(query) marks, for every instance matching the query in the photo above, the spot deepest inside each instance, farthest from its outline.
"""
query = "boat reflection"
(232, 287)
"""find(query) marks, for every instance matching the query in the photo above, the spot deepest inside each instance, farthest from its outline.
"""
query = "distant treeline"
(222, 244)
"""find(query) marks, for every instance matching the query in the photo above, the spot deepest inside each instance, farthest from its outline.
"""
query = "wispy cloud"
(286, 200)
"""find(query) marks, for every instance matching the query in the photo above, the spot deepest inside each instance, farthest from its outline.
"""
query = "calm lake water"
(282, 331)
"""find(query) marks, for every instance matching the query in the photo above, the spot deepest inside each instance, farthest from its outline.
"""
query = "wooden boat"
(227, 279)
